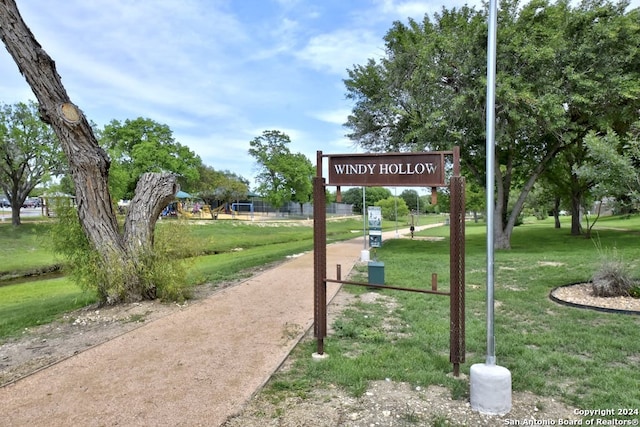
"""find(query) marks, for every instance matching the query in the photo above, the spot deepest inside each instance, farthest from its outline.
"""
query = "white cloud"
(336, 117)
(404, 9)
(335, 52)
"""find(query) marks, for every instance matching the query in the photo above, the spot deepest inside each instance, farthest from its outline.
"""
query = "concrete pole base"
(317, 356)
(490, 389)
(364, 255)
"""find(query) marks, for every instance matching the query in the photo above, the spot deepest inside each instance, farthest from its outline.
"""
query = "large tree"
(372, 195)
(222, 186)
(144, 145)
(610, 172)
(599, 77)
(29, 153)
(283, 176)
(429, 92)
(393, 208)
(120, 253)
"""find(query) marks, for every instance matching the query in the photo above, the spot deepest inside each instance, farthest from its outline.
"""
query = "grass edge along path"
(232, 249)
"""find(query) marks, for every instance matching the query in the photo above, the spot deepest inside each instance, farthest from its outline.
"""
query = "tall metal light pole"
(490, 384)
(490, 183)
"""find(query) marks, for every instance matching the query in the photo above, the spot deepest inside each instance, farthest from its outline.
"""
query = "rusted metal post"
(456, 160)
(434, 281)
(457, 266)
(319, 257)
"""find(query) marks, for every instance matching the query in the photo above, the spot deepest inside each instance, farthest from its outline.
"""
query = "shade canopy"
(182, 195)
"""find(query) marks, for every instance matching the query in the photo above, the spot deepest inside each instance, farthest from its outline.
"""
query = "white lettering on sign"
(386, 168)
(357, 169)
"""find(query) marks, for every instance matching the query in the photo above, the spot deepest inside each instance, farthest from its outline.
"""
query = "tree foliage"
(144, 145)
(393, 208)
(599, 79)
(223, 186)
(475, 199)
(553, 67)
(282, 175)
(162, 271)
(372, 195)
(609, 173)
(30, 153)
(411, 199)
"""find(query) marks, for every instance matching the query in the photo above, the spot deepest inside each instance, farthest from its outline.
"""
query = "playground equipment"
(203, 212)
(235, 207)
(182, 212)
(217, 211)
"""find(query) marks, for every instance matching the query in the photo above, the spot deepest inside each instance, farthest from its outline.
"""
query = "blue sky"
(217, 72)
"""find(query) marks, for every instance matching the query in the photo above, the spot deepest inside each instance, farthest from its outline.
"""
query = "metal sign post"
(405, 169)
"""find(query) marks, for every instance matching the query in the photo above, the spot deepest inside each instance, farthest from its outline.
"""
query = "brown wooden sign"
(396, 169)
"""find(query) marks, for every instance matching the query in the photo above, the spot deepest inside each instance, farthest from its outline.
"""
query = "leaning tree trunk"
(153, 193)
(88, 162)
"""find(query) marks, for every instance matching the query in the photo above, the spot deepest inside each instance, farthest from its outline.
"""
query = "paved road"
(5, 213)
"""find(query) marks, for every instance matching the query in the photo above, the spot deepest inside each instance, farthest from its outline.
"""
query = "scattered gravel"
(581, 294)
(388, 403)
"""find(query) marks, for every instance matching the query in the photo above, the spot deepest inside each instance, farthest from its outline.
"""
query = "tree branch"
(154, 191)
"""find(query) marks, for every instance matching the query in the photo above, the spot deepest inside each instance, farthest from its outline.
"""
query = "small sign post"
(375, 226)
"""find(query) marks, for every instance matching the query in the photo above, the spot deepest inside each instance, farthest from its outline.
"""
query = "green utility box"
(376, 273)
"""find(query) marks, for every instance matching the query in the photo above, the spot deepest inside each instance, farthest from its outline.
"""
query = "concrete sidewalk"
(195, 367)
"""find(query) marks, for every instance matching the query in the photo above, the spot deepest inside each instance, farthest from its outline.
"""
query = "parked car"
(31, 203)
(4, 203)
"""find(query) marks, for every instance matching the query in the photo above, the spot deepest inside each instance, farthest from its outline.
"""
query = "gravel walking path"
(193, 367)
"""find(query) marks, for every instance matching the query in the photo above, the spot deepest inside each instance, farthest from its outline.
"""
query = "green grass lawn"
(24, 247)
(588, 359)
(31, 304)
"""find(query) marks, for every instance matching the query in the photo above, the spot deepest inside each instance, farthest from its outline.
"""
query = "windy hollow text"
(386, 169)
(406, 169)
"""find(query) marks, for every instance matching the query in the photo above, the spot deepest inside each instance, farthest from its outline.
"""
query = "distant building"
(51, 200)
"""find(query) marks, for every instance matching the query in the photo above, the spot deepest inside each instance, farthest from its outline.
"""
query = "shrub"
(613, 278)
(162, 272)
(69, 241)
(393, 208)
